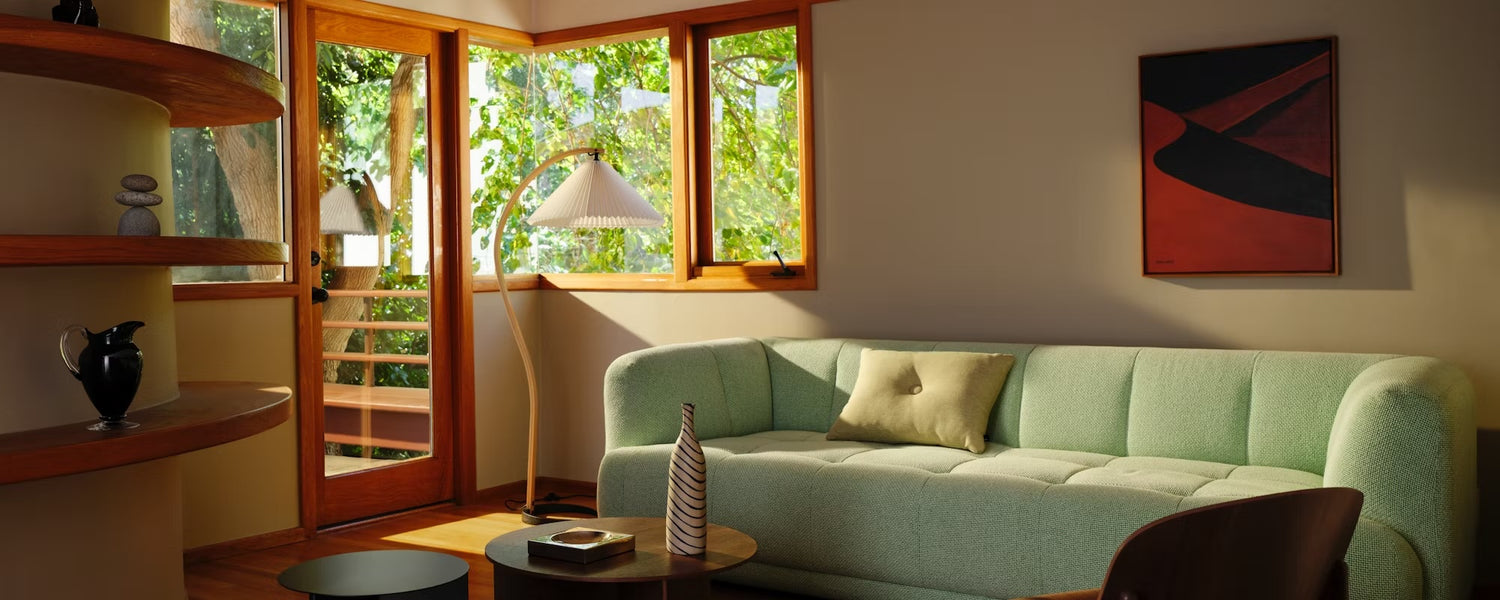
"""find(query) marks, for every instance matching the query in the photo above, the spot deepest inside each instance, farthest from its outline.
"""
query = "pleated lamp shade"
(338, 213)
(595, 196)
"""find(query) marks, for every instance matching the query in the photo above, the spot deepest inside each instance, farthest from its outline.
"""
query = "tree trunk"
(403, 128)
(352, 278)
(248, 157)
(403, 124)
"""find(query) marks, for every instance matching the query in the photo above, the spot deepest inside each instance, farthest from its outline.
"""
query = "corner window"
(708, 120)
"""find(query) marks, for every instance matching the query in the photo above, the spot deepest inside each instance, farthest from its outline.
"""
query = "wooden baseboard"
(515, 491)
(243, 545)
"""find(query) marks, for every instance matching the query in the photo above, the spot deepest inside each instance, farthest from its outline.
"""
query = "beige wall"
(549, 15)
(978, 179)
(111, 534)
(246, 487)
(500, 399)
(513, 14)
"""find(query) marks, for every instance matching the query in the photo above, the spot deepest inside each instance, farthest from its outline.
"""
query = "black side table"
(381, 575)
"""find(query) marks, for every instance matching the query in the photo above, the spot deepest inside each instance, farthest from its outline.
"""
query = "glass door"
(386, 412)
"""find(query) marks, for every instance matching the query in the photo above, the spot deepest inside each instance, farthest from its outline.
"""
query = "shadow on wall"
(577, 347)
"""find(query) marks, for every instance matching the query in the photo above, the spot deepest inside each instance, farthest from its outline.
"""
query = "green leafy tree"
(617, 97)
(614, 97)
(372, 123)
(753, 93)
(226, 181)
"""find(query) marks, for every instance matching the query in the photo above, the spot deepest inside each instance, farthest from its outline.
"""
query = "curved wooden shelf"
(206, 414)
(198, 88)
(115, 250)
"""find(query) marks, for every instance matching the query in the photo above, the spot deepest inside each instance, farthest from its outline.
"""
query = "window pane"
(753, 98)
(373, 217)
(500, 146)
(226, 181)
(527, 108)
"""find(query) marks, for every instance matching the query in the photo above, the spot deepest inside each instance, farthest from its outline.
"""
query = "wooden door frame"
(451, 307)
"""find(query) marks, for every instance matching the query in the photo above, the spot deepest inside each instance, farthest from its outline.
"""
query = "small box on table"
(581, 545)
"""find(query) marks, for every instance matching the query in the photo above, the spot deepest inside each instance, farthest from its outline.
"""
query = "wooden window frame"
(285, 287)
(705, 266)
(693, 266)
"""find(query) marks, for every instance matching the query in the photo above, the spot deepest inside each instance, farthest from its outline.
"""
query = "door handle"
(319, 295)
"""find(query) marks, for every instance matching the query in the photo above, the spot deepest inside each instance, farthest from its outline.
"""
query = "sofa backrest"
(1230, 406)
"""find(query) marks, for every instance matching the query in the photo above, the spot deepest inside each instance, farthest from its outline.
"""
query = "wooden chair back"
(1286, 546)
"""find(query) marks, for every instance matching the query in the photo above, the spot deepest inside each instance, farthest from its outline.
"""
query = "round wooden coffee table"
(648, 572)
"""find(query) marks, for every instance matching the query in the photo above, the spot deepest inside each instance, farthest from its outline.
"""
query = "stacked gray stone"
(138, 220)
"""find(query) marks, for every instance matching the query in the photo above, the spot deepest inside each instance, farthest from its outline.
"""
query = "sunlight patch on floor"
(467, 536)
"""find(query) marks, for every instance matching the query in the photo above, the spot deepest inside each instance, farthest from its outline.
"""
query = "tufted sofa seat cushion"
(1179, 477)
(919, 518)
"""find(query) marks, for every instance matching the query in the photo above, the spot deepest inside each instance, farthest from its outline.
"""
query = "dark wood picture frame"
(1239, 160)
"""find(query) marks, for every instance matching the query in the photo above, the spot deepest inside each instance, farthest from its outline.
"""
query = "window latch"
(784, 272)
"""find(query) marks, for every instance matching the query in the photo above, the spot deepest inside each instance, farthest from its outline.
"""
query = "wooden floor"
(459, 530)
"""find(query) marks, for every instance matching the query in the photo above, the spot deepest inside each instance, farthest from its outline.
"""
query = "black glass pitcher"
(110, 368)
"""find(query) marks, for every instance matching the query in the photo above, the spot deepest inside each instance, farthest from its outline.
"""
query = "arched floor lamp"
(593, 196)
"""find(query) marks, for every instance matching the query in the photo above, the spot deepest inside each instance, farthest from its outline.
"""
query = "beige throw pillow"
(937, 398)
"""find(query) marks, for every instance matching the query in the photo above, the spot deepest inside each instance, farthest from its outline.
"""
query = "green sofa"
(1086, 444)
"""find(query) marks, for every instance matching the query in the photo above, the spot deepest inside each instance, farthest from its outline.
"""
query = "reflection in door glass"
(373, 221)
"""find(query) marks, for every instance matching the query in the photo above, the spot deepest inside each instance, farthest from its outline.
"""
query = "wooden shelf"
(206, 414)
(115, 250)
(198, 88)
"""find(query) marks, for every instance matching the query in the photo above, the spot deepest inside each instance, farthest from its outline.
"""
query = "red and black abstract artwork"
(1239, 168)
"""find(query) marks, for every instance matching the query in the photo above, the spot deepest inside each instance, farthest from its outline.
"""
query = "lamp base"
(537, 514)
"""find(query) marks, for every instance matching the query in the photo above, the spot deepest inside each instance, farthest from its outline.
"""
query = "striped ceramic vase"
(687, 493)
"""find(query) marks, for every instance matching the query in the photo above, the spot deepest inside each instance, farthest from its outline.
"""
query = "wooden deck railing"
(369, 415)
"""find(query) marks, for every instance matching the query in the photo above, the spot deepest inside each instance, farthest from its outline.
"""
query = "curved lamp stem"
(515, 325)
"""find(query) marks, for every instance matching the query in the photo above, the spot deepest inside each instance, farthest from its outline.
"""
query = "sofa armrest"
(1405, 436)
(644, 391)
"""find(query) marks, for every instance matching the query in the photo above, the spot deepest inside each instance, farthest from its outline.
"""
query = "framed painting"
(1239, 161)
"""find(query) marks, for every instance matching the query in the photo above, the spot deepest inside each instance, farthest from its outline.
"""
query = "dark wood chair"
(1286, 546)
